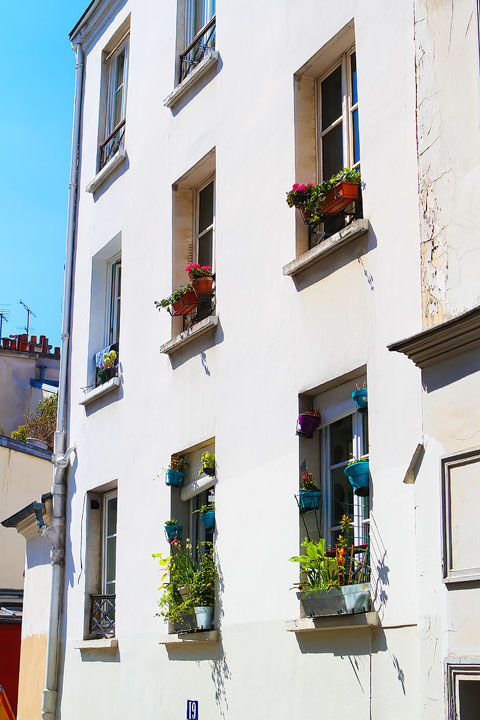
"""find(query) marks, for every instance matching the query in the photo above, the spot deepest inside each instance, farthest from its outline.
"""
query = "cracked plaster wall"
(447, 77)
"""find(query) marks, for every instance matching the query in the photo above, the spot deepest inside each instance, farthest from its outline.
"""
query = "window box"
(309, 499)
(186, 304)
(345, 600)
(174, 478)
(339, 197)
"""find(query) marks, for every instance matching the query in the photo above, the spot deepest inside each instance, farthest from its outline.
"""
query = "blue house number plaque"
(192, 709)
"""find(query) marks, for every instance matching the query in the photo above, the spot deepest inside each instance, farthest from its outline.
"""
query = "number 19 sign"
(192, 709)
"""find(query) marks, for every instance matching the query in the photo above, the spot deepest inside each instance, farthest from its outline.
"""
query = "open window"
(198, 34)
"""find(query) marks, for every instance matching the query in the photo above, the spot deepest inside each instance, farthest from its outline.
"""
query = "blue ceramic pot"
(359, 477)
(174, 531)
(174, 478)
(360, 398)
(208, 519)
(309, 499)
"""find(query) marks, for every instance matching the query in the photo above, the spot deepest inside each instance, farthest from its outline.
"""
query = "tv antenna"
(4, 315)
(29, 312)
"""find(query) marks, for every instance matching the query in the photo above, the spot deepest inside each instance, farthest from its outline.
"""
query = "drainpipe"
(60, 458)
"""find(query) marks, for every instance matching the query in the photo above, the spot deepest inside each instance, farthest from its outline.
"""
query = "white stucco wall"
(277, 338)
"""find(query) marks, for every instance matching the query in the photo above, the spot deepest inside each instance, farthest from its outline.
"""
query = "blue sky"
(37, 75)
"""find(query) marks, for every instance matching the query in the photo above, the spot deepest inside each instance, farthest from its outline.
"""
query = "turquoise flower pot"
(208, 519)
(309, 499)
(359, 476)
(174, 531)
(174, 478)
(360, 398)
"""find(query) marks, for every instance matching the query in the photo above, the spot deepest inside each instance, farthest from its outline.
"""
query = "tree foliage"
(41, 424)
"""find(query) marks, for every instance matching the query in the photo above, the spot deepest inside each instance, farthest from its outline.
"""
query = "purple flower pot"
(307, 424)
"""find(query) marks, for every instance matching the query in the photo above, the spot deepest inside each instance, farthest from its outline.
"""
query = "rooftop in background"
(22, 343)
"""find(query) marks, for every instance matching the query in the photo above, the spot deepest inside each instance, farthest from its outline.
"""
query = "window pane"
(365, 433)
(332, 152)
(341, 444)
(120, 61)
(205, 249)
(356, 137)
(469, 696)
(205, 207)
(111, 549)
(353, 77)
(342, 497)
(112, 516)
(331, 90)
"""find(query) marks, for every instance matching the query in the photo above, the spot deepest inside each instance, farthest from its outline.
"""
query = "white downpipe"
(60, 457)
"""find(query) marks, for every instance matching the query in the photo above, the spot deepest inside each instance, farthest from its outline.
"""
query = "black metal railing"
(102, 615)
(201, 45)
(112, 143)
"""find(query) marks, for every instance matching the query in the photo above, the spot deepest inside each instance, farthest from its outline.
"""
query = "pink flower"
(205, 267)
(294, 187)
(302, 187)
(309, 184)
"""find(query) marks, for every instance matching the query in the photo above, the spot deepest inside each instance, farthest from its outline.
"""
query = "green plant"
(173, 298)
(209, 507)
(311, 197)
(41, 424)
(202, 590)
(312, 413)
(357, 460)
(307, 481)
(179, 569)
(208, 461)
(173, 521)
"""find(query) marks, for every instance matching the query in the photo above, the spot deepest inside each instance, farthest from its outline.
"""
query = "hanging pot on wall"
(307, 424)
(202, 286)
(358, 474)
(174, 477)
(360, 398)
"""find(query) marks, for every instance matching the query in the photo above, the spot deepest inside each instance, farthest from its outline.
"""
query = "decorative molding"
(356, 229)
(97, 644)
(208, 324)
(431, 346)
(115, 162)
(100, 390)
(209, 62)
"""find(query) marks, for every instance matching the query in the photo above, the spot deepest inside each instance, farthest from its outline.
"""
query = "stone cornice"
(438, 343)
(94, 20)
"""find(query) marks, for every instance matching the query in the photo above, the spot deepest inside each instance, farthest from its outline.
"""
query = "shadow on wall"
(121, 170)
(379, 570)
(197, 87)
(343, 256)
(198, 347)
(451, 370)
(108, 399)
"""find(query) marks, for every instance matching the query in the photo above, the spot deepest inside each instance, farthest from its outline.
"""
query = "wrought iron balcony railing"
(112, 143)
(202, 44)
(102, 615)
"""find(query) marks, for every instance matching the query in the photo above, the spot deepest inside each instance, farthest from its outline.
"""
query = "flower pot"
(204, 617)
(339, 197)
(102, 376)
(202, 286)
(186, 304)
(307, 424)
(208, 519)
(345, 600)
(185, 625)
(309, 499)
(305, 213)
(174, 477)
(184, 591)
(36, 442)
(359, 477)
(208, 470)
(173, 531)
(360, 398)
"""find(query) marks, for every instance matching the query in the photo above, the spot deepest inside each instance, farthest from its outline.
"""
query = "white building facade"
(193, 122)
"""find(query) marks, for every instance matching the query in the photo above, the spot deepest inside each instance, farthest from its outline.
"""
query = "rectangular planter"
(346, 600)
(339, 197)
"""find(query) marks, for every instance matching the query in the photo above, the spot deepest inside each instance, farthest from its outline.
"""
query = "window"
(199, 34)
(115, 277)
(338, 131)
(100, 563)
(463, 688)
(203, 245)
(115, 82)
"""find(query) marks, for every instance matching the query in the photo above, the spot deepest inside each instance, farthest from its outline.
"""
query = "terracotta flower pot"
(202, 285)
(186, 304)
(339, 197)
(306, 214)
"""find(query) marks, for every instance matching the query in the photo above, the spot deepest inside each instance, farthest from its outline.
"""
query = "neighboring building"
(25, 472)
(28, 374)
(294, 324)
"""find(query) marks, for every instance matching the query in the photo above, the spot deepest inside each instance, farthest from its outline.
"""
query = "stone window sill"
(118, 159)
(355, 230)
(354, 621)
(97, 644)
(208, 324)
(99, 391)
(201, 638)
(192, 78)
